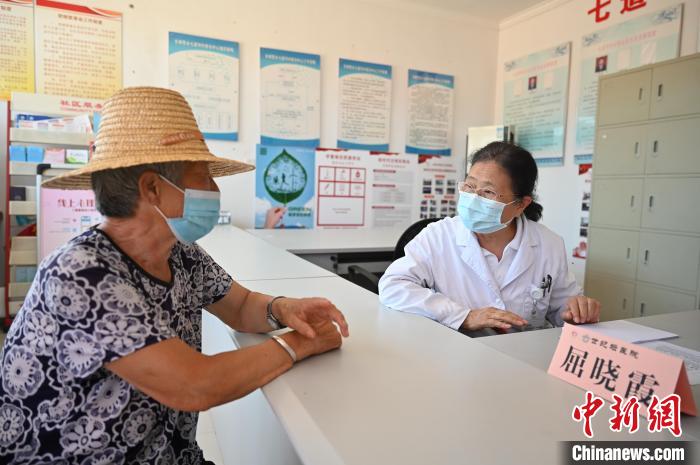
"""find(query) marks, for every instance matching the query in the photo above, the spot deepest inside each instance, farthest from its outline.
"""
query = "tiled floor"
(206, 438)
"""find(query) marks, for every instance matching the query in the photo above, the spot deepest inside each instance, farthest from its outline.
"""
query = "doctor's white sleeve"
(408, 283)
(564, 286)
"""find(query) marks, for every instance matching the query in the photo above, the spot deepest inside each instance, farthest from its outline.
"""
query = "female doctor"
(492, 266)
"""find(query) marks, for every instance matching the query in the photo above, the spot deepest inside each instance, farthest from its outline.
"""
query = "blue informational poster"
(285, 192)
(430, 110)
(290, 98)
(364, 105)
(205, 71)
(637, 42)
(535, 93)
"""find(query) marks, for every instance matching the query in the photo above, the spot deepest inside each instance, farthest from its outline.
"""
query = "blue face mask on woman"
(481, 215)
(200, 213)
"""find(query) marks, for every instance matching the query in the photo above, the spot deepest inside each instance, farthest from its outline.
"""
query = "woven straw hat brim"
(146, 125)
(81, 177)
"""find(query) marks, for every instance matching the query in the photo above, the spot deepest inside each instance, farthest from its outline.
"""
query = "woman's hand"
(581, 309)
(490, 317)
(305, 315)
(327, 338)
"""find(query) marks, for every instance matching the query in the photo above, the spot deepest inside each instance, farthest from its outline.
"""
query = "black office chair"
(370, 281)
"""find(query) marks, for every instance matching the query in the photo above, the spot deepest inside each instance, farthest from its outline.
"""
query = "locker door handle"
(655, 148)
(641, 93)
(646, 257)
(651, 202)
(632, 201)
(660, 91)
(624, 303)
(641, 308)
(629, 253)
(636, 150)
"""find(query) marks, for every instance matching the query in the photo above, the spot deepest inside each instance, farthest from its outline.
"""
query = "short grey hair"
(117, 190)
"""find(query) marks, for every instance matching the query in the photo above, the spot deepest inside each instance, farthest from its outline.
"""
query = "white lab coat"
(444, 275)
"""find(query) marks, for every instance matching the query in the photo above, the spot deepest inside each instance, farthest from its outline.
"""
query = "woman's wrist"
(299, 344)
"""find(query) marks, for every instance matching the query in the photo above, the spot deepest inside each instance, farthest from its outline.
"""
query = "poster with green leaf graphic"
(284, 187)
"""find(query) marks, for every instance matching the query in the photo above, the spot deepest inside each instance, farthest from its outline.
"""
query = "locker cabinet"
(676, 88)
(644, 232)
(624, 99)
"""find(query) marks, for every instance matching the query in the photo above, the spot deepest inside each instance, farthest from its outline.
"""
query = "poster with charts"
(78, 50)
(206, 72)
(583, 186)
(535, 95)
(364, 105)
(290, 98)
(342, 184)
(392, 189)
(284, 187)
(640, 41)
(365, 189)
(17, 51)
(430, 113)
(438, 181)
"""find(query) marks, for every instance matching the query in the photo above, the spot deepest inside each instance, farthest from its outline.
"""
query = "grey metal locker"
(676, 88)
(644, 233)
(624, 99)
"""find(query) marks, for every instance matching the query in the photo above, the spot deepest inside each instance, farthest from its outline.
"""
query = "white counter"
(402, 390)
(322, 241)
(246, 257)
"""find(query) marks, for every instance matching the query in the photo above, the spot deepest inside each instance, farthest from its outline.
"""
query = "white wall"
(404, 37)
(546, 25)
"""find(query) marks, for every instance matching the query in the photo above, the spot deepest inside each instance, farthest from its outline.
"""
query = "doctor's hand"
(305, 315)
(581, 309)
(489, 317)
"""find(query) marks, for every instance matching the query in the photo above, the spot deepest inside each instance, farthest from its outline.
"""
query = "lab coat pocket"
(536, 306)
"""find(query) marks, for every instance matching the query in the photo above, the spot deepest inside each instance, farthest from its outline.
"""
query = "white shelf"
(15, 305)
(35, 136)
(18, 290)
(26, 168)
(22, 207)
(22, 168)
(23, 243)
(23, 257)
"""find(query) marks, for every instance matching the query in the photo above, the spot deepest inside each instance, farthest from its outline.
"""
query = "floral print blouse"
(90, 304)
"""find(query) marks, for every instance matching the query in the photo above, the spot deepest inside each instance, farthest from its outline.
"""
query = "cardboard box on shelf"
(77, 156)
(55, 155)
(35, 154)
(18, 153)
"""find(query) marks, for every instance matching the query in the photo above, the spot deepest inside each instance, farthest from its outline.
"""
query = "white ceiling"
(494, 10)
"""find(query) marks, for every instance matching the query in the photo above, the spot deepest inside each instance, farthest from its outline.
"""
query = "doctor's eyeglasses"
(485, 192)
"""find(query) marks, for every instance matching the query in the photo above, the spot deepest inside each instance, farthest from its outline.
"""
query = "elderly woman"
(103, 362)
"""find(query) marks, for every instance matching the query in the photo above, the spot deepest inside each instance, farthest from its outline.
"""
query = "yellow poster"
(16, 47)
(78, 50)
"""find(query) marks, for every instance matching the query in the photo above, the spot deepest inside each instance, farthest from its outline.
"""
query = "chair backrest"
(409, 234)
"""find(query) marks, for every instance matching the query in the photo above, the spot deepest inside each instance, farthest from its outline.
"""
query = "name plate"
(608, 366)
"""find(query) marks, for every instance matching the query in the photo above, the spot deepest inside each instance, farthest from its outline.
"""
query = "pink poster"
(64, 214)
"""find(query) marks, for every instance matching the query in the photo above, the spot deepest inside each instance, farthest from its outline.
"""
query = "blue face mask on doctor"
(479, 214)
(200, 213)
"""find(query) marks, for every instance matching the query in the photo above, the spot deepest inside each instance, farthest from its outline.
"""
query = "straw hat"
(142, 125)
